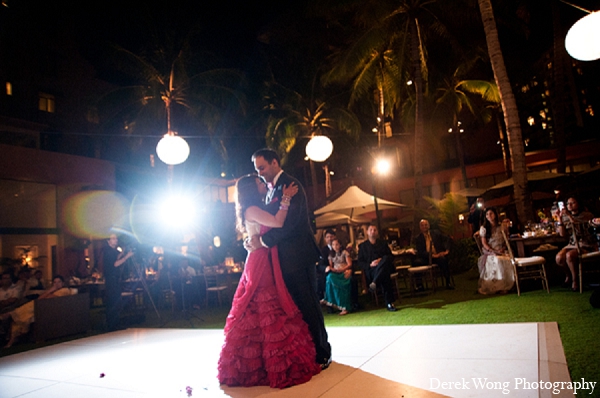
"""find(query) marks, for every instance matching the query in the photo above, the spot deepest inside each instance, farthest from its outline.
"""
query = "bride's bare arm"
(256, 214)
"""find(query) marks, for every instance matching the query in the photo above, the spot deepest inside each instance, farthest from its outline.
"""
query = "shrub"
(463, 255)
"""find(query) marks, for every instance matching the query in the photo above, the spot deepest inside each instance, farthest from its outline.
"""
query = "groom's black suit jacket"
(295, 240)
(298, 255)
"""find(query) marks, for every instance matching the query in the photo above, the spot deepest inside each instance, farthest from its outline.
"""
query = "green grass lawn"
(577, 320)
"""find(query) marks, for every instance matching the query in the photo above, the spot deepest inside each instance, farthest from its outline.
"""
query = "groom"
(298, 251)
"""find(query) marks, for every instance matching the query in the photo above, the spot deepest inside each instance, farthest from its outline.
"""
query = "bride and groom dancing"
(274, 333)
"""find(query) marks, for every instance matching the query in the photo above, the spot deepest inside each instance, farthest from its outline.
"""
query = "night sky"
(228, 32)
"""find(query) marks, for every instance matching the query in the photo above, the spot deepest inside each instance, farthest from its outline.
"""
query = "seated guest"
(433, 248)
(324, 262)
(573, 217)
(36, 282)
(342, 235)
(339, 275)
(9, 294)
(377, 262)
(22, 316)
(24, 284)
(496, 274)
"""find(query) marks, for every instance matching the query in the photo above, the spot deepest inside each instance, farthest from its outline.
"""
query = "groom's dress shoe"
(391, 308)
(326, 364)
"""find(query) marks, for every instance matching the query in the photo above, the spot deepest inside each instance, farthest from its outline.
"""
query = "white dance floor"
(491, 360)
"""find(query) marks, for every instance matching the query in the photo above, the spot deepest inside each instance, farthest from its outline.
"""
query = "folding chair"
(527, 267)
(584, 258)
(215, 283)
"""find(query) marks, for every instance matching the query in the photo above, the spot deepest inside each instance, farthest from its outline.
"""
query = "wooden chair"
(215, 283)
(375, 294)
(402, 271)
(527, 267)
(585, 258)
(478, 241)
(166, 298)
(425, 273)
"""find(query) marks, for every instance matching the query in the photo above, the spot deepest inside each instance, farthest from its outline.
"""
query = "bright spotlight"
(177, 211)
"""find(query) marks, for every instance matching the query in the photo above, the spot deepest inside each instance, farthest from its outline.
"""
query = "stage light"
(177, 211)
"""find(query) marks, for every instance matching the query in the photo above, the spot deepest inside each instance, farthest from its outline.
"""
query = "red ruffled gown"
(267, 343)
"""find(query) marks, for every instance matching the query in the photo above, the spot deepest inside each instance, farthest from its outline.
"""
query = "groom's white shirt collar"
(277, 177)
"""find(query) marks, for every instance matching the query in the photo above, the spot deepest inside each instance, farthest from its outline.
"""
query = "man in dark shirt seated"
(377, 262)
(433, 248)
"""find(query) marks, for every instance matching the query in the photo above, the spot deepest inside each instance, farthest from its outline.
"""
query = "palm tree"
(511, 114)
(455, 96)
(395, 32)
(293, 119)
(171, 92)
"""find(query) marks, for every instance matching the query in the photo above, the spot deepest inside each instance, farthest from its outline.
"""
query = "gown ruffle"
(266, 340)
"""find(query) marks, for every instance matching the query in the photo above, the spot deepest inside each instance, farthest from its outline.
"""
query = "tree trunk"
(511, 114)
(505, 153)
(419, 123)
(461, 155)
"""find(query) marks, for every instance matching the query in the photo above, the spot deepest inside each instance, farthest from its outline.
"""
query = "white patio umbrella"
(355, 202)
(332, 219)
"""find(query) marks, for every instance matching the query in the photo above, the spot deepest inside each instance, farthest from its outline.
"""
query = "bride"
(266, 340)
(496, 274)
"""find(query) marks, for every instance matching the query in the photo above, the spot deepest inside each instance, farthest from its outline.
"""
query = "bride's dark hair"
(246, 195)
(487, 225)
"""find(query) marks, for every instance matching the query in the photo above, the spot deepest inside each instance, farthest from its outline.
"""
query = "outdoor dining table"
(526, 246)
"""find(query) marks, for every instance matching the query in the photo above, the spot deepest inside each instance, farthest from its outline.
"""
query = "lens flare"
(95, 214)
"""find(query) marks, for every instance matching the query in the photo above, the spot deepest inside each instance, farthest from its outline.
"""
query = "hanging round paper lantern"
(319, 148)
(583, 39)
(172, 149)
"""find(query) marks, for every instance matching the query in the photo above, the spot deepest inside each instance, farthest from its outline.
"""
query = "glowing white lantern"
(319, 148)
(172, 149)
(583, 39)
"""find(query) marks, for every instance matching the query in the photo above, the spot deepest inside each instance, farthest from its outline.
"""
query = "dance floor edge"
(483, 360)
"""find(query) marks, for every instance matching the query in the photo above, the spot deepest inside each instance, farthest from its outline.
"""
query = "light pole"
(457, 130)
(382, 167)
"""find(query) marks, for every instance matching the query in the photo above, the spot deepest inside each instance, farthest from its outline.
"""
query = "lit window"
(589, 110)
(46, 103)
(531, 120)
(543, 114)
(8, 88)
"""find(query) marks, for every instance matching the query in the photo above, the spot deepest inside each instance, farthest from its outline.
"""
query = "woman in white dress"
(496, 274)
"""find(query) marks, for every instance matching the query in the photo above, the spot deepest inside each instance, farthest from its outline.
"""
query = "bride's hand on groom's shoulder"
(291, 190)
